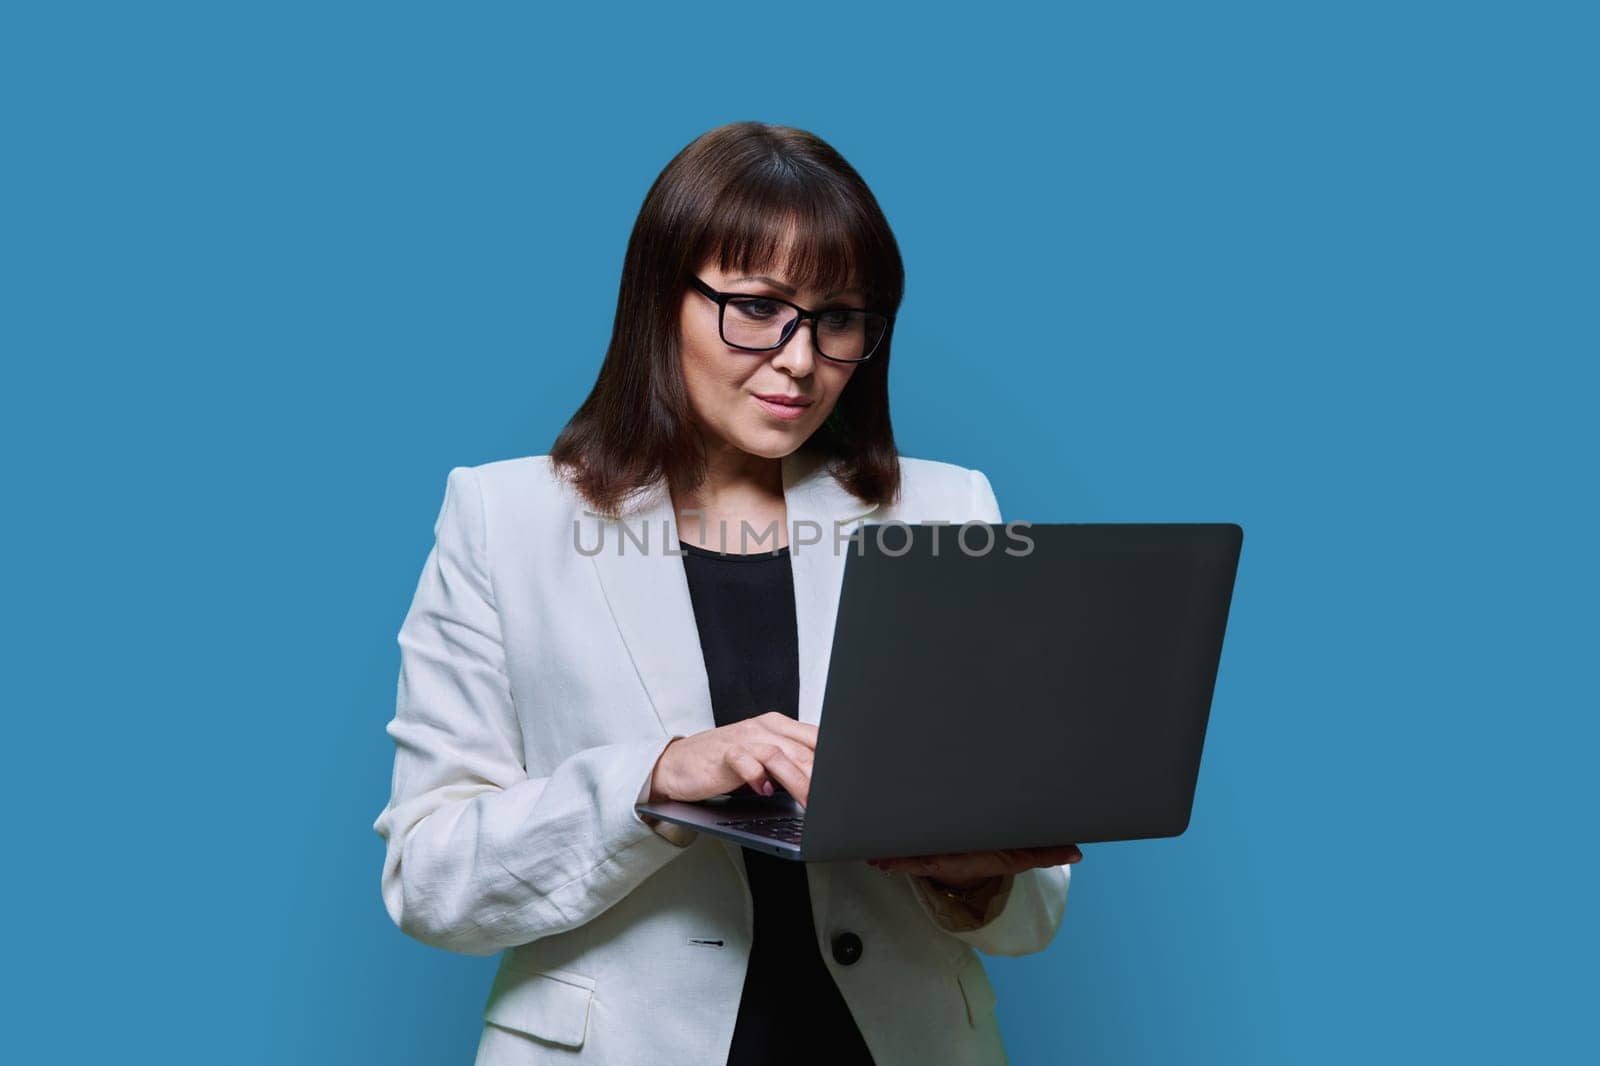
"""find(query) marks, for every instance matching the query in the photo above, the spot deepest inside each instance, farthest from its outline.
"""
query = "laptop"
(1053, 689)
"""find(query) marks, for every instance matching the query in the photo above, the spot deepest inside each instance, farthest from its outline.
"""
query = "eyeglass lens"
(757, 322)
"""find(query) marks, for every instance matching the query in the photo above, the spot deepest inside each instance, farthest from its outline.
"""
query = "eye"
(756, 308)
(839, 319)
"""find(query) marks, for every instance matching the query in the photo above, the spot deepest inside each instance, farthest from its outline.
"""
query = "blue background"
(269, 271)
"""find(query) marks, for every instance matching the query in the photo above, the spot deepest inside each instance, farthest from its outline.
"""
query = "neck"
(738, 487)
(732, 472)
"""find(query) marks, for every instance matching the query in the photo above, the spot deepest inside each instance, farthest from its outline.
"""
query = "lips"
(787, 408)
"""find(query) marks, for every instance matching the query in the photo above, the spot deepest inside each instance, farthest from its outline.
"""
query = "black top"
(791, 1010)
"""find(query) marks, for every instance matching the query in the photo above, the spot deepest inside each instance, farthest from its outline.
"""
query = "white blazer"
(539, 682)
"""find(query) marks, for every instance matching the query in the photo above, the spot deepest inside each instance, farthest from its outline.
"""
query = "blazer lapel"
(641, 574)
(648, 594)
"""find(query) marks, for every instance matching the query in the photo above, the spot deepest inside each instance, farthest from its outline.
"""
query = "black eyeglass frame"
(802, 315)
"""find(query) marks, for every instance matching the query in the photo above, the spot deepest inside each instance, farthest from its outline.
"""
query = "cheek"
(711, 379)
(707, 373)
(700, 356)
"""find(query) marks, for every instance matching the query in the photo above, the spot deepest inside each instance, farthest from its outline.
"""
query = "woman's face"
(726, 384)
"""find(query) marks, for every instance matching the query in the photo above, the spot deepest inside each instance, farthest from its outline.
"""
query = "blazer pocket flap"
(553, 1007)
(975, 989)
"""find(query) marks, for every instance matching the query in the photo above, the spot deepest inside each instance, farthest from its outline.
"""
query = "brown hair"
(735, 192)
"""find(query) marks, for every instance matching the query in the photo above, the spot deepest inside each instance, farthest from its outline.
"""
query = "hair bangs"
(794, 231)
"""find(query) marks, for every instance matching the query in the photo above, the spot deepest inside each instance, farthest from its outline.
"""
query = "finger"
(796, 782)
(1056, 856)
(962, 865)
(798, 753)
(795, 758)
(1016, 860)
(912, 864)
(789, 728)
(801, 756)
(962, 869)
(981, 863)
(748, 769)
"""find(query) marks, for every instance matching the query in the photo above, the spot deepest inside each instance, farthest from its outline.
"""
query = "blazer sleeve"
(1023, 915)
(480, 856)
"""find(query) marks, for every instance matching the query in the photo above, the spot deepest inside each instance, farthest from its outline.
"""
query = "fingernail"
(766, 788)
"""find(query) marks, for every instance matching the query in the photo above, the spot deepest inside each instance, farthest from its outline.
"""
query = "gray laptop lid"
(1052, 690)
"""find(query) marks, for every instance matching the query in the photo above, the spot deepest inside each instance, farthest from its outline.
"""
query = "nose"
(798, 354)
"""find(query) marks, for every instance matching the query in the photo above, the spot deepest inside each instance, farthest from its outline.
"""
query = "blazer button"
(846, 948)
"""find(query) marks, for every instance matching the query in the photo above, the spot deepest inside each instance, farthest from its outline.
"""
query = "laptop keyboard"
(787, 828)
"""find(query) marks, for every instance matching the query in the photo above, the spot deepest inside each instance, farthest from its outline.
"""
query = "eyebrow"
(776, 284)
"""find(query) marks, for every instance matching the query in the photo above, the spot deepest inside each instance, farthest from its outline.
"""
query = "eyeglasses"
(765, 323)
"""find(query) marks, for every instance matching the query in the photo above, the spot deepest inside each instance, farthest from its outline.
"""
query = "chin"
(772, 443)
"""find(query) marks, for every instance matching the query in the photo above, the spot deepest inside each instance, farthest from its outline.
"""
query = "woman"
(593, 629)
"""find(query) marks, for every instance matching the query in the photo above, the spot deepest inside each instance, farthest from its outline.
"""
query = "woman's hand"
(961, 869)
(755, 751)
